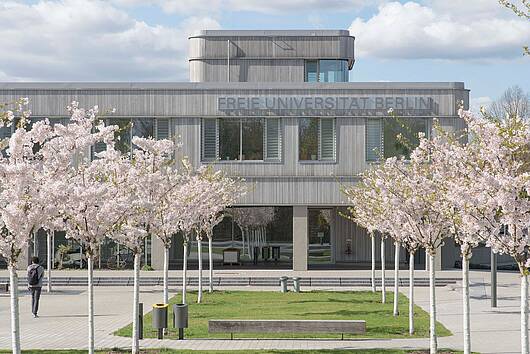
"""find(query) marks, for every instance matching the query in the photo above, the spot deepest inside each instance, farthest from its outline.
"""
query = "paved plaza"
(63, 319)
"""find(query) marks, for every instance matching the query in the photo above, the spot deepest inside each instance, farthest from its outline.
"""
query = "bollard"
(296, 284)
(283, 284)
(141, 320)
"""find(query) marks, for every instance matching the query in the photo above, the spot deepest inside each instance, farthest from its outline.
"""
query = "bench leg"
(231, 336)
(342, 336)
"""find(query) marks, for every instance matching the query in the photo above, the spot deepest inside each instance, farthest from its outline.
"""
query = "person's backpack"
(33, 276)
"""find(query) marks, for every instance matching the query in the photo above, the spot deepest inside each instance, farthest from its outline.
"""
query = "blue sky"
(475, 41)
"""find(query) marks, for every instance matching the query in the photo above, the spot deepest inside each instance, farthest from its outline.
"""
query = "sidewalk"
(63, 320)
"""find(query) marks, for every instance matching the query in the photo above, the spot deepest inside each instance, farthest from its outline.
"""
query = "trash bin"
(180, 318)
(283, 284)
(296, 284)
(159, 317)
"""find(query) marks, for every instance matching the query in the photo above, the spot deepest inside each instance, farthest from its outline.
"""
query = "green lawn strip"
(325, 305)
(171, 351)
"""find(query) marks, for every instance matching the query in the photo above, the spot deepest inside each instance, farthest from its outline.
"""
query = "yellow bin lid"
(160, 306)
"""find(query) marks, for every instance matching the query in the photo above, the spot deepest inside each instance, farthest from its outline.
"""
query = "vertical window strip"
(327, 139)
(272, 138)
(162, 128)
(374, 139)
(210, 139)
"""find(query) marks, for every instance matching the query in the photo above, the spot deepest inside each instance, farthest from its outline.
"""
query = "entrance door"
(319, 243)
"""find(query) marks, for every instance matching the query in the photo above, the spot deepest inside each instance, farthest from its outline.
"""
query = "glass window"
(393, 136)
(238, 139)
(229, 139)
(408, 128)
(311, 69)
(319, 237)
(308, 139)
(252, 131)
(326, 70)
(316, 139)
(123, 134)
(143, 127)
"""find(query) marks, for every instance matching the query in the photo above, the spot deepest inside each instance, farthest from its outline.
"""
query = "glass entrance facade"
(236, 245)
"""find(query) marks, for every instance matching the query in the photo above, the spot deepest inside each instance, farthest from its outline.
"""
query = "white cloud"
(476, 102)
(259, 6)
(91, 41)
(440, 29)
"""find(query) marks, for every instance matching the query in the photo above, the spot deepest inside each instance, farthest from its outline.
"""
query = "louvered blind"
(373, 139)
(273, 139)
(209, 139)
(162, 128)
(327, 139)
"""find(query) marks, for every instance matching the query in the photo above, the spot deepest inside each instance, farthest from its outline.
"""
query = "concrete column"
(157, 253)
(300, 225)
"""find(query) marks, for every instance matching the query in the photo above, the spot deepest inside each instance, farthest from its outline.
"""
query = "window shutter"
(374, 138)
(209, 139)
(273, 139)
(162, 128)
(327, 139)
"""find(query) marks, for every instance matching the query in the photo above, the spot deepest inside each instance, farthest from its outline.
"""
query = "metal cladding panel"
(287, 182)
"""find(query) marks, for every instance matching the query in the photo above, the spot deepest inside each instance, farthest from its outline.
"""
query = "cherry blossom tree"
(90, 202)
(223, 192)
(22, 196)
(500, 195)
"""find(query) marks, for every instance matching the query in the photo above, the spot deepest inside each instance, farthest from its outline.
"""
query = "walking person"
(35, 276)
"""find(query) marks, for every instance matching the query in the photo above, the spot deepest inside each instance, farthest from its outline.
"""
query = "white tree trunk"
(465, 292)
(411, 293)
(15, 323)
(396, 280)
(210, 266)
(136, 301)
(374, 289)
(199, 252)
(90, 267)
(524, 314)
(383, 283)
(184, 272)
(49, 261)
(432, 296)
(166, 275)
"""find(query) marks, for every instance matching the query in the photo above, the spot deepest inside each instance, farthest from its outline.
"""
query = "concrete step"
(238, 281)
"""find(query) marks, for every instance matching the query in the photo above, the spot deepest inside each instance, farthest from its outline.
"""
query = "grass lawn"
(172, 351)
(351, 305)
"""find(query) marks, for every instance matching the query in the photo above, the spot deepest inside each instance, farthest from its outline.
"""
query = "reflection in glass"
(408, 128)
(123, 134)
(308, 139)
(228, 236)
(143, 127)
(333, 71)
(319, 236)
(311, 68)
(252, 139)
(229, 139)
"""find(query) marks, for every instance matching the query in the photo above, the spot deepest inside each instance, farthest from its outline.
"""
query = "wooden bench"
(283, 326)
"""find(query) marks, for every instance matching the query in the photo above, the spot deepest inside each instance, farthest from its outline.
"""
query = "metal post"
(181, 333)
(141, 320)
(228, 61)
(493, 271)
(49, 260)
